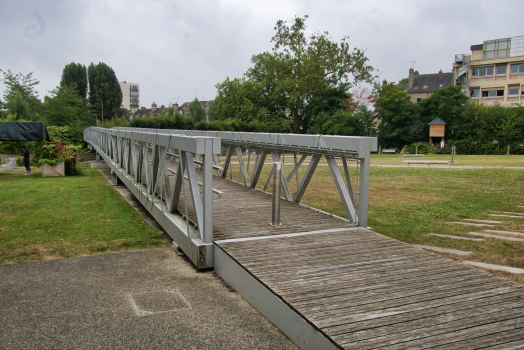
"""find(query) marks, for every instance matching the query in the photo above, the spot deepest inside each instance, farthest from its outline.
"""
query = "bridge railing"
(138, 159)
(333, 164)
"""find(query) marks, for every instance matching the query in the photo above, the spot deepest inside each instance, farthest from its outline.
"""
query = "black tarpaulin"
(23, 131)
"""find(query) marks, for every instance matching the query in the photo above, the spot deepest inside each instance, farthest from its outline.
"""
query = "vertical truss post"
(349, 206)
(207, 181)
(154, 169)
(307, 177)
(177, 187)
(363, 197)
(216, 161)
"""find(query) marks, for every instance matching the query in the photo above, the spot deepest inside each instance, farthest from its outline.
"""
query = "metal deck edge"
(284, 235)
(267, 303)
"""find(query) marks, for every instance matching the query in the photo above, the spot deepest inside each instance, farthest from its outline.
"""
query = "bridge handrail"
(127, 152)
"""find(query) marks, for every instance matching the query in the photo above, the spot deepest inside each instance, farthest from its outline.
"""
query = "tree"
(66, 107)
(20, 96)
(104, 89)
(282, 83)
(195, 110)
(239, 99)
(75, 73)
(398, 120)
(403, 81)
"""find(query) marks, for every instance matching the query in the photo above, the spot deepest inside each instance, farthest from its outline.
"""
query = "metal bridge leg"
(227, 163)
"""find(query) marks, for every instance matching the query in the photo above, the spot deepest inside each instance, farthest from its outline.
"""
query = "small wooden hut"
(437, 131)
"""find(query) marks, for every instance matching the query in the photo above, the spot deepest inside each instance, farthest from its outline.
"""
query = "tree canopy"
(66, 107)
(20, 97)
(75, 73)
(104, 89)
(282, 83)
(195, 110)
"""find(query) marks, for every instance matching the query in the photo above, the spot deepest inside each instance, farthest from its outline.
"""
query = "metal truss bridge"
(323, 277)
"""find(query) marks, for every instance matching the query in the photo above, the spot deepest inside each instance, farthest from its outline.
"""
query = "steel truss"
(347, 148)
(138, 159)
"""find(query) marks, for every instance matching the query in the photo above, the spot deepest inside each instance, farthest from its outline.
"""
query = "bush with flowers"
(55, 152)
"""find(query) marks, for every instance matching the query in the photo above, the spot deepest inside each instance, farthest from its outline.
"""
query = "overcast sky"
(179, 50)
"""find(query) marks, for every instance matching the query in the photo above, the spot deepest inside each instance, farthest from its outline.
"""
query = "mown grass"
(43, 218)
(458, 160)
(407, 204)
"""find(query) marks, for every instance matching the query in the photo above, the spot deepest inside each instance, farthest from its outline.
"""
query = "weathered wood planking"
(367, 291)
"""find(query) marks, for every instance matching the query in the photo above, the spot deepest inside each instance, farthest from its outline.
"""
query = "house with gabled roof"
(421, 86)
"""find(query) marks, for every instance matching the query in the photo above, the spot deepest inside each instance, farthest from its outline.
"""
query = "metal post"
(277, 168)
(452, 153)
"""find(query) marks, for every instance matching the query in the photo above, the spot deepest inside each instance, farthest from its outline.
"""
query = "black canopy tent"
(23, 131)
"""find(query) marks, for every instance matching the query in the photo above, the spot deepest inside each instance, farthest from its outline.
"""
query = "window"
(483, 71)
(415, 88)
(474, 93)
(493, 93)
(425, 87)
(419, 99)
(499, 48)
(501, 70)
(517, 68)
(513, 91)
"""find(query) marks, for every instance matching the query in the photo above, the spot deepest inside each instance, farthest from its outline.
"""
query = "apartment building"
(130, 95)
(494, 72)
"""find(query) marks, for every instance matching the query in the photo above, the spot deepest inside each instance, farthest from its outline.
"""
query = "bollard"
(277, 168)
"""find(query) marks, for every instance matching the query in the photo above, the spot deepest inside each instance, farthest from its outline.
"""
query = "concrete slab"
(94, 302)
(505, 232)
(470, 223)
(457, 237)
(494, 267)
(496, 236)
(442, 250)
(484, 221)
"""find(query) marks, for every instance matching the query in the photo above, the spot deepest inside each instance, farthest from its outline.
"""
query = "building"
(421, 86)
(130, 95)
(154, 111)
(494, 72)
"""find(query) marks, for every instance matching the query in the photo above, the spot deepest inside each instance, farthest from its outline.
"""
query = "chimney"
(411, 78)
(384, 82)
(153, 107)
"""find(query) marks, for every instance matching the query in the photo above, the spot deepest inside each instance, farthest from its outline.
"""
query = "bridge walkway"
(355, 288)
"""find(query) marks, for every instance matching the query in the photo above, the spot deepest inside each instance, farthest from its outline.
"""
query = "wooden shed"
(437, 131)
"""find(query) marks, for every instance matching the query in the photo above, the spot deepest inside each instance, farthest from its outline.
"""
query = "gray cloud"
(180, 48)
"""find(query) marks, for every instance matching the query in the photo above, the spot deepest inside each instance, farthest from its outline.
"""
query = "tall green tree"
(66, 107)
(104, 90)
(75, 73)
(195, 110)
(20, 97)
(399, 124)
(282, 83)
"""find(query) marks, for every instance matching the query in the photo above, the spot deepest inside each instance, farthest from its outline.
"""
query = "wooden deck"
(360, 289)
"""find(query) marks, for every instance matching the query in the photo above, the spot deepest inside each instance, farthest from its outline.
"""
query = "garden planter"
(53, 170)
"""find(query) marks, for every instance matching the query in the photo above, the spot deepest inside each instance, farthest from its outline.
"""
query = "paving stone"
(507, 212)
(457, 237)
(441, 250)
(507, 216)
(470, 223)
(484, 221)
(496, 236)
(494, 267)
(506, 232)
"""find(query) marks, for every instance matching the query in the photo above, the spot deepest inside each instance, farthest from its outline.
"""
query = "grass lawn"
(407, 204)
(458, 160)
(57, 217)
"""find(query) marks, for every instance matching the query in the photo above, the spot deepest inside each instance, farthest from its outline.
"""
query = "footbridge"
(322, 276)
